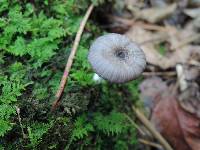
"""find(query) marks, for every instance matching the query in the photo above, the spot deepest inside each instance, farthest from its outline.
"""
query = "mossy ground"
(36, 38)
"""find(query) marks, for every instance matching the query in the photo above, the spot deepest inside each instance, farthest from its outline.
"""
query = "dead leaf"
(179, 38)
(135, 3)
(191, 73)
(181, 55)
(156, 14)
(165, 119)
(178, 126)
(190, 99)
(194, 13)
(196, 22)
(159, 3)
(194, 3)
(150, 91)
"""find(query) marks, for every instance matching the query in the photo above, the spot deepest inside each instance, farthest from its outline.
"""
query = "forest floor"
(159, 110)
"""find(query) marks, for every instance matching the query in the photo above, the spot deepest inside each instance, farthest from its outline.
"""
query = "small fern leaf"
(82, 128)
(114, 123)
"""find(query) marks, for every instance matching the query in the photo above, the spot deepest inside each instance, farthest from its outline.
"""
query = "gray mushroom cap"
(116, 58)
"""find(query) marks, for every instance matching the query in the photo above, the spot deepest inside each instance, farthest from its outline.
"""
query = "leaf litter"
(169, 35)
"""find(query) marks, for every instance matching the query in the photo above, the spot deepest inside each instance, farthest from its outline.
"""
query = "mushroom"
(116, 58)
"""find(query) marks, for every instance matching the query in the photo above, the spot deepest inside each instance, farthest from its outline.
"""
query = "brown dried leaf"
(178, 126)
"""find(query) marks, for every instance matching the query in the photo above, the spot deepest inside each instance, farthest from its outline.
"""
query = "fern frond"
(81, 128)
(36, 131)
(5, 112)
(114, 123)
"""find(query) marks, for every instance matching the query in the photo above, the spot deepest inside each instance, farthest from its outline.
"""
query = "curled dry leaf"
(178, 125)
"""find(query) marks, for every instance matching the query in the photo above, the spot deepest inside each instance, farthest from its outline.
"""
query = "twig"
(160, 38)
(134, 124)
(150, 143)
(71, 57)
(133, 22)
(151, 129)
(20, 121)
(121, 20)
(153, 27)
(166, 73)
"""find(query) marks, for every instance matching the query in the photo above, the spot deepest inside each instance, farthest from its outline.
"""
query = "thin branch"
(159, 38)
(135, 125)
(132, 22)
(20, 122)
(71, 57)
(151, 129)
(149, 143)
(153, 27)
(166, 73)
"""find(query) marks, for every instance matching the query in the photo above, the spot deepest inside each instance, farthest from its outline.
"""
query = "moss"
(36, 38)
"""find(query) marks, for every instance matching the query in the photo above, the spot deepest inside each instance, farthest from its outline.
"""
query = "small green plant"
(36, 131)
(81, 128)
(11, 89)
(162, 49)
(5, 113)
(111, 124)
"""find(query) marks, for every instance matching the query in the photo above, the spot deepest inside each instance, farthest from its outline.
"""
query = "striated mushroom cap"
(116, 58)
